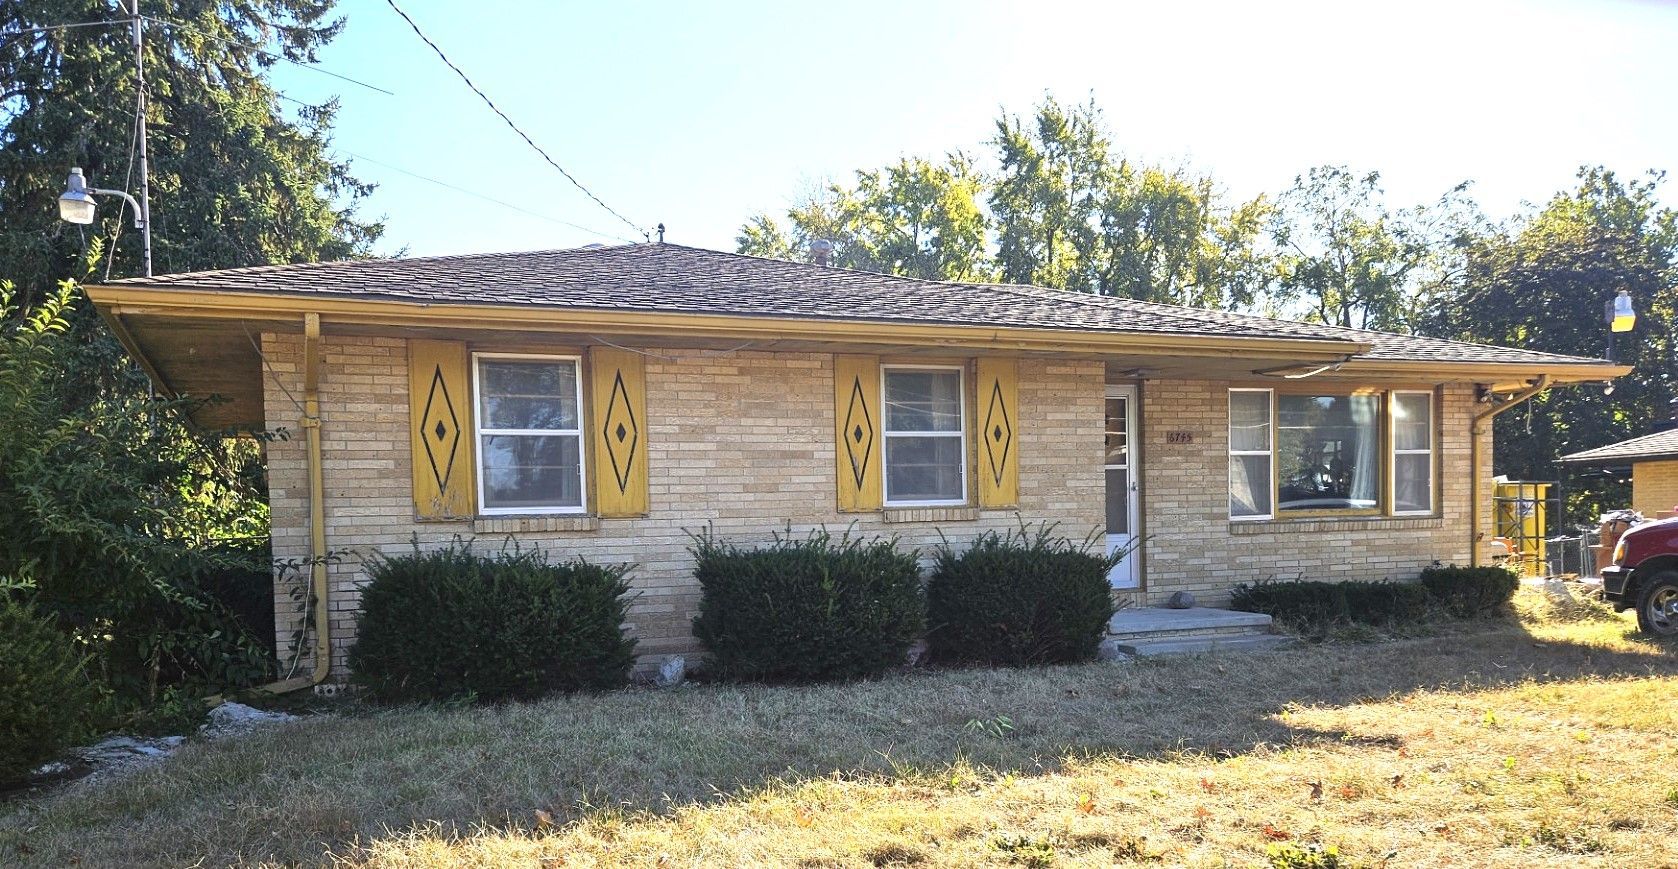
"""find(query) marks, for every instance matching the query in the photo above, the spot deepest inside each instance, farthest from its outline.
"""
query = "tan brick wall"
(1654, 487)
(1193, 546)
(742, 441)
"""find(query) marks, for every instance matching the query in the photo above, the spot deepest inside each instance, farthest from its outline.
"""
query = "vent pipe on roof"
(821, 250)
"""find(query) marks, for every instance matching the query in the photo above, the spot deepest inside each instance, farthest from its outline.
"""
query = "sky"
(699, 115)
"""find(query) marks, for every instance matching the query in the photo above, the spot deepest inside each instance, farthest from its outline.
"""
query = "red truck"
(1644, 576)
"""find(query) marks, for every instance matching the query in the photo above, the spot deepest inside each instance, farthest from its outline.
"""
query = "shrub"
(818, 608)
(1317, 606)
(451, 623)
(1021, 598)
(1471, 592)
(1386, 603)
(48, 695)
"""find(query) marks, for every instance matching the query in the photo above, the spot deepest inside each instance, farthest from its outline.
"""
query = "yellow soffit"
(193, 304)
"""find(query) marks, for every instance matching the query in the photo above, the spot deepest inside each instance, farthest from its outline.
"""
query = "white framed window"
(925, 435)
(529, 428)
(1252, 427)
(1412, 453)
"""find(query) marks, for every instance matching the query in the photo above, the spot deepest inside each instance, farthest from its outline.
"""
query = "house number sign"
(1179, 437)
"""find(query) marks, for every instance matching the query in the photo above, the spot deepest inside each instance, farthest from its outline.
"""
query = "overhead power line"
(53, 27)
(515, 127)
(182, 25)
(487, 198)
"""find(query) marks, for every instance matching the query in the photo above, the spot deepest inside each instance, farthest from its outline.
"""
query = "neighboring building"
(1653, 459)
(606, 402)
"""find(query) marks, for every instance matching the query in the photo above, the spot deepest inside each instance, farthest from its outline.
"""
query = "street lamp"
(77, 205)
(1621, 316)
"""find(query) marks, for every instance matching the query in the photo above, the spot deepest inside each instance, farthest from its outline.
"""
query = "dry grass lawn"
(1544, 743)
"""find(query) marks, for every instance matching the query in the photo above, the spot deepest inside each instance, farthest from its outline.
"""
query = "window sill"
(527, 524)
(1334, 523)
(957, 513)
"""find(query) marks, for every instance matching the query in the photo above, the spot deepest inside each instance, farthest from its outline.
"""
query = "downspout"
(1475, 432)
(317, 514)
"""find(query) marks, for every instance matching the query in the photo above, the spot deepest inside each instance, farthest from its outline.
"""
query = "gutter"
(1478, 429)
(310, 423)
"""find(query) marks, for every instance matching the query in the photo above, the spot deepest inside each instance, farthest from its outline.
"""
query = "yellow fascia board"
(214, 305)
(1498, 375)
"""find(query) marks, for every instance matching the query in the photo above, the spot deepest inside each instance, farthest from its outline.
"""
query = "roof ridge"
(360, 262)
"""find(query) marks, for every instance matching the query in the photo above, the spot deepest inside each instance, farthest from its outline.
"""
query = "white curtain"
(1366, 466)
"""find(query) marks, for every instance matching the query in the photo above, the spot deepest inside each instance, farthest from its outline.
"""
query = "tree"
(114, 507)
(1344, 259)
(914, 218)
(1541, 283)
(235, 181)
(1047, 196)
(1166, 238)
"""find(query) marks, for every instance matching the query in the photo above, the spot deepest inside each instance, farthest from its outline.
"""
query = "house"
(1653, 459)
(604, 402)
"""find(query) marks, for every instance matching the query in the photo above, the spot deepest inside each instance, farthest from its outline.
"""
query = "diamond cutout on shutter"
(440, 419)
(861, 426)
(1000, 442)
(622, 432)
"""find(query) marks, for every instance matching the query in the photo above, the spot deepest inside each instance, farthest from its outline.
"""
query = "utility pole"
(140, 121)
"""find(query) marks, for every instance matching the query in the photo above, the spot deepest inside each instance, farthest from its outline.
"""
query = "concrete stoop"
(1149, 631)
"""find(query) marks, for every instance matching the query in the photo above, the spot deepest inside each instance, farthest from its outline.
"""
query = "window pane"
(1249, 486)
(527, 394)
(1413, 483)
(1118, 501)
(532, 471)
(1249, 421)
(923, 469)
(1328, 450)
(1412, 422)
(923, 401)
(1117, 422)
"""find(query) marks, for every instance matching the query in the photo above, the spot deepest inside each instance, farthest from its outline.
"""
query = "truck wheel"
(1657, 605)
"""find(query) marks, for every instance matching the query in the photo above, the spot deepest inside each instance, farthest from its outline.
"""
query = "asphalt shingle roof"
(1661, 444)
(670, 277)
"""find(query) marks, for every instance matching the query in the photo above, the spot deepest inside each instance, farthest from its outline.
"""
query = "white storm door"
(1123, 461)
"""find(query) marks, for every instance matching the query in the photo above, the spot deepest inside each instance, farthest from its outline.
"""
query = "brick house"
(605, 401)
(1653, 459)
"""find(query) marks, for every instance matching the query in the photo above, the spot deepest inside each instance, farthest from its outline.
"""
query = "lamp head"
(1622, 316)
(75, 204)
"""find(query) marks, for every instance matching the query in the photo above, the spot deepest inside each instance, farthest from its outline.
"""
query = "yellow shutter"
(998, 430)
(856, 416)
(440, 407)
(618, 417)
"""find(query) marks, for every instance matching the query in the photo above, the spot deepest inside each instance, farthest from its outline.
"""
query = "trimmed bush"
(1317, 606)
(1021, 598)
(1386, 604)
(809, 609)
(1471, 592)
(46, 695)
(451, 623)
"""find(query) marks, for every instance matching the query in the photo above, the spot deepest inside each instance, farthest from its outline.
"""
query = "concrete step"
(1159, 622)
(1204, 645)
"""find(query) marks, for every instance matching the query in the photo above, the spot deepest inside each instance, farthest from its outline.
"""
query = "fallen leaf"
(1582, 736)
(1086, 803)
(1403, 752)
(1270, 832)
(1347, 792)
(1202, 812)
(1208, 785)
(1398, 781)
(804, 817)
